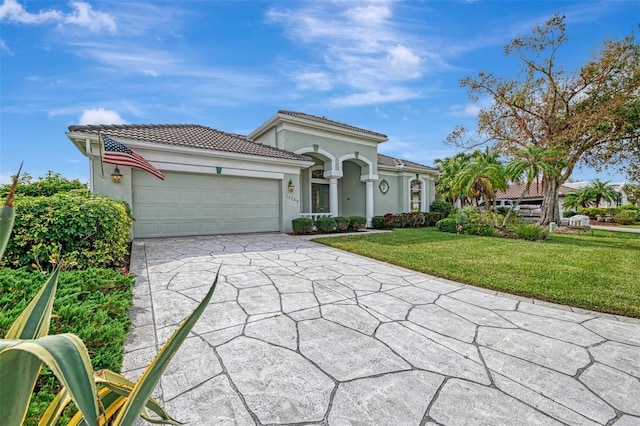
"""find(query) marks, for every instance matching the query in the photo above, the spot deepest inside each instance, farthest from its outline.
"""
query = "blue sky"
(388, 66)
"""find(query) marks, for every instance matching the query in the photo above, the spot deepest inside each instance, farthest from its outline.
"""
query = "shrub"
(342, 223)
(441, 206)
(476, 222)
(46, 186)
(530, 231)
(626, 217)
(325, 224)
(593, 212)
(377, 222)
(431, 218)
(302, 225)
(356, 223)
(447, 224)
(92, 231)
(569, 213)
(391, 221)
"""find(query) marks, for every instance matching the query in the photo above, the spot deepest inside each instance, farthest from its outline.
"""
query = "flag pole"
(100, 145)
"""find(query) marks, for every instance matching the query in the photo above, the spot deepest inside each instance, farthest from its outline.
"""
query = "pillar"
(333, 196)
(369, 202)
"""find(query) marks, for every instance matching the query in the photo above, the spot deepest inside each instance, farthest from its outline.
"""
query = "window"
(416, 195)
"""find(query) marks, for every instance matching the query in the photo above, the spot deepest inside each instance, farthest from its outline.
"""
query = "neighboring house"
(618, 187)
(216, 183)
(533, 197)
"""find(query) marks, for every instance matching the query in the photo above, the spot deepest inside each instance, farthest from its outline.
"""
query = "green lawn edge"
(597, 270)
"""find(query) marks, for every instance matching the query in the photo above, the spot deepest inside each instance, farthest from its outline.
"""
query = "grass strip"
(598, 271)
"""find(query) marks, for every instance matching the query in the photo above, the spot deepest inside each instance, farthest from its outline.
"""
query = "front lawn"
(599, 272)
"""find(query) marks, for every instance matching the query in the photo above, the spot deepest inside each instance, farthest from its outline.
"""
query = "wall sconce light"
(290, 186)
(116, 176)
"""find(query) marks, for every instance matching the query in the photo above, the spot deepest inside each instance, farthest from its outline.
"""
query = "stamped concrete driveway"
(300, 333)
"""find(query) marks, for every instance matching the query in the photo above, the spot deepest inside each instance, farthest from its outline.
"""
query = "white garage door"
(197, 204)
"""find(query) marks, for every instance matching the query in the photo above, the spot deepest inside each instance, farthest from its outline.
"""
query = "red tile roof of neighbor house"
(189, 135)
(325, 120)
(514, 191)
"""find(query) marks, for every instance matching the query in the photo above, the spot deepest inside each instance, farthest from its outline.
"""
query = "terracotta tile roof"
(514, 191)
(385, 160)
(189, 135)
(325, 120)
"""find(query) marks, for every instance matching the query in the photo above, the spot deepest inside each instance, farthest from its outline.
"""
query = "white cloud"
(100, 116)
(83, 15)
(392, 94)
(13, 11)
(5, 48)
(469, 109)
(313, 80)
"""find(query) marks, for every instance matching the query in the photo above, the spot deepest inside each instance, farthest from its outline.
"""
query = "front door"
(320, 198)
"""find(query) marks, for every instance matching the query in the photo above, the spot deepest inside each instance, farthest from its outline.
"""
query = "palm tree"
(579, 198)
(603, 191)
(449, 169)
(529, 163)
(481, 177)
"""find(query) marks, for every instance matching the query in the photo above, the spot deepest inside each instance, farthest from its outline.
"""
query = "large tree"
(591, 115)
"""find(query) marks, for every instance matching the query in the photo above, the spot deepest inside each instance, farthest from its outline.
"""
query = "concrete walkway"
(616, 229)
(300, 333)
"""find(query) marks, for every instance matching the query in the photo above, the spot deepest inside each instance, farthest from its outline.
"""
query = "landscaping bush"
(476, 222)
(569, 213)
(46, 186)
(302, 225)
(391, 221)
(626, 217)
(342, 223)
(447, 224)
(92, 304)
(357, 223)
(593, 212)
(92, 231)
(431, 218)
(325, 224)
(441, 206)
(530, 231)
(377, 222)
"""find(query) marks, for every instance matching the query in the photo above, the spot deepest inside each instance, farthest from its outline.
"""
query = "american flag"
(121, 155)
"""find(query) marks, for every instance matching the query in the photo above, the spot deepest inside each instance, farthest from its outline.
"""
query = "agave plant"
(27, 347)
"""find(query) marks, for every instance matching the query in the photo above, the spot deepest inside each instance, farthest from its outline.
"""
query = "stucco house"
(292, 165)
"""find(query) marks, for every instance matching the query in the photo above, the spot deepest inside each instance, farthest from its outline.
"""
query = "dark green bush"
(92, 231)
(46, 186)
(431, 218)
(342, 223)
(530, 231)
(325, 224)
(440, 206)
(92, 304)
(357, 223)
(302, 225)
(569, 213)
(447, 224)
(626, 217)
(377, 222)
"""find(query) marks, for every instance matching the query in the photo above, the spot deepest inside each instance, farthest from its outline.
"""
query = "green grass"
(92, 304)
(600, 272)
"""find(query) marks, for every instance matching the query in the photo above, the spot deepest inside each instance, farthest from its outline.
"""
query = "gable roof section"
(326, 121)
(514, 191)
(189, 135)
(385, 160)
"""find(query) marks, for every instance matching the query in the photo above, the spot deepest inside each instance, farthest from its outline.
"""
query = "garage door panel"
(195, 204)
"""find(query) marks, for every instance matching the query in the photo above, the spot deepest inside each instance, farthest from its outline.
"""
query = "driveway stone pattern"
(300, 333)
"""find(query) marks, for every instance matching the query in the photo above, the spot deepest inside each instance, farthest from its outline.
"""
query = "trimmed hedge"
(302, 225)
(412, 219)
(93, 304)
(377, 222)
(626, 217)
(447, 224)
(91, 231)
(342, 223)
(325, 224)
(593, 212)
(357, 223)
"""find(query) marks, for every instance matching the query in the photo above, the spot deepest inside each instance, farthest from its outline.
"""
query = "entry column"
(333, 191)
(368, 180)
